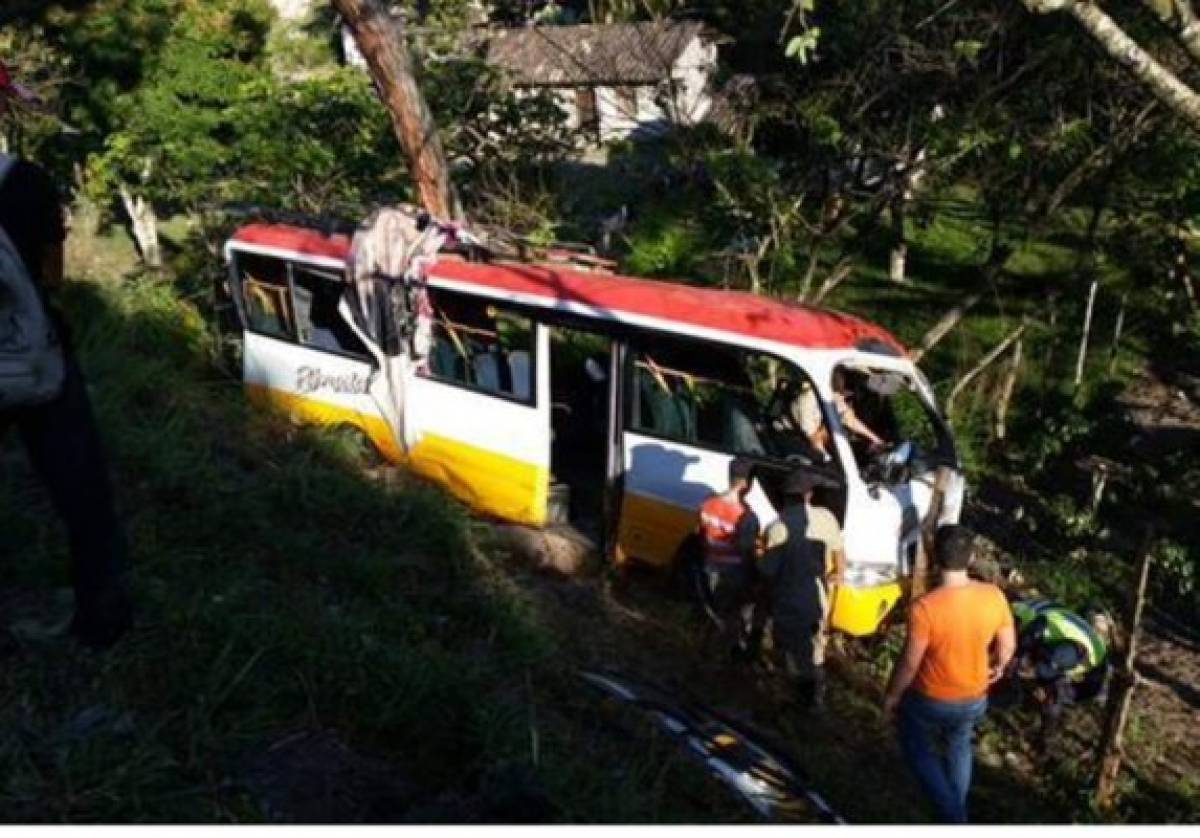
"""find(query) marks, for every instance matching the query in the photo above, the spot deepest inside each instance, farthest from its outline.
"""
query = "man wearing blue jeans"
(960, 640)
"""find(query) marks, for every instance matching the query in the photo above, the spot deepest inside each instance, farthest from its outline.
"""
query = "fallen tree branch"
(987, 361)
(839, 273)
(941, 328)
(1112, 744)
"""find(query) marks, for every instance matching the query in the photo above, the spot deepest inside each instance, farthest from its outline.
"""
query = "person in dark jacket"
(794, 567)
(60, 436)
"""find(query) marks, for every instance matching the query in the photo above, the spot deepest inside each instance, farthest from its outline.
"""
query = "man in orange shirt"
(960, 640)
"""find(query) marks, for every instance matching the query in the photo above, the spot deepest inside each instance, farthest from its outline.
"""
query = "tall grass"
(279, 588)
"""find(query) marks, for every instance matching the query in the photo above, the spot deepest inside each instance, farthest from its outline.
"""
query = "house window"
(589, 113)
(481, 347)
(627, 101)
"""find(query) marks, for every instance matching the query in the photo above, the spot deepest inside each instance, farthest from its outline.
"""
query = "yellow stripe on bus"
(859, 611)
(324, 413)
(651, 530)
(489, 482)
(492, 483)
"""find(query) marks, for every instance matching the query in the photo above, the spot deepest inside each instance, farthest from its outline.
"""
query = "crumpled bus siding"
(488, 482)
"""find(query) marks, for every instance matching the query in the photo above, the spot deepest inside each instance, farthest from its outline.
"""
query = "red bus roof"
(564, 287)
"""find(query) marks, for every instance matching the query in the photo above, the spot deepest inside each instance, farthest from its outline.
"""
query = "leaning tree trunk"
(381, 41)
(1081, 359)
(898, 256)
(145, 226)
(1149, 72)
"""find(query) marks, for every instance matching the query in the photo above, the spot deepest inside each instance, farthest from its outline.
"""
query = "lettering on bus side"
(313, 379)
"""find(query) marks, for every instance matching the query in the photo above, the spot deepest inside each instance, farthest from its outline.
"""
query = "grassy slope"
(280, 589)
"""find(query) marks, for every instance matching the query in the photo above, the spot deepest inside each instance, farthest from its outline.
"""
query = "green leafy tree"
(172, 133)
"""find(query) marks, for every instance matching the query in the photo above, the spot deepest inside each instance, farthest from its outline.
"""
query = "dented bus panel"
(542, 392)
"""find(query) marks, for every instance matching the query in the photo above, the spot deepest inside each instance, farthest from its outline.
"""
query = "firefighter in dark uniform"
(794, 567)
(1068, 654)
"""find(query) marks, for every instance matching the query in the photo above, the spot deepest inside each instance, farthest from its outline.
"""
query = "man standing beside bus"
(804, 555)
(960, 640)
(729, 533)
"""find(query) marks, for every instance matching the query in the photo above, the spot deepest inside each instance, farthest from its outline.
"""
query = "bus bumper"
(858, 611)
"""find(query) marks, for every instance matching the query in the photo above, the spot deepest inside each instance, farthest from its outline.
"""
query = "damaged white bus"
(544, 391)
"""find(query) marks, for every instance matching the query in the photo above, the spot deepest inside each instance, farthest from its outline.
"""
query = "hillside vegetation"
(320, 637)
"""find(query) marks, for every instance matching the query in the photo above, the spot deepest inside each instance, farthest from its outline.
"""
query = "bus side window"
(695, 393)
(479, 346)
(266, 296)
(317, 319)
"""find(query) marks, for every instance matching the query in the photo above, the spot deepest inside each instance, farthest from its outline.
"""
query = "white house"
(613, 80)
(293, 10)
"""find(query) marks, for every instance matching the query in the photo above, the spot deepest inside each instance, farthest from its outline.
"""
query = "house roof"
(618, 53)
(649, 303)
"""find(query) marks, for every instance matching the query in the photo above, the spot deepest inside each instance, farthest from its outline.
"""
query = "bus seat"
(668, 413)
(321, 338)
(518, 364)
(443, 360)
(487, 371)
(739, 433)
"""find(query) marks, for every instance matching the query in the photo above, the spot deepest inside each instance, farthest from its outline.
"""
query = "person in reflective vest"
(1068, 654)
(728, 533)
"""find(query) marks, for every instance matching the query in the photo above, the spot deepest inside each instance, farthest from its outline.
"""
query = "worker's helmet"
(1102, 622)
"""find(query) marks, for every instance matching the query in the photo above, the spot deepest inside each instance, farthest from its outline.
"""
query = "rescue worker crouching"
(729, 535)
(1068, 655)
(804, 556)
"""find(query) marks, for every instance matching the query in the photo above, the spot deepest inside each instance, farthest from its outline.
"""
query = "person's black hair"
(839, 380)
(740, 469)
(953, 547)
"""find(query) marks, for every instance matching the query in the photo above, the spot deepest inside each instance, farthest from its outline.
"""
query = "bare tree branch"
(1110, 37)
(1178, 16)
(987, 360)
(942, 328)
